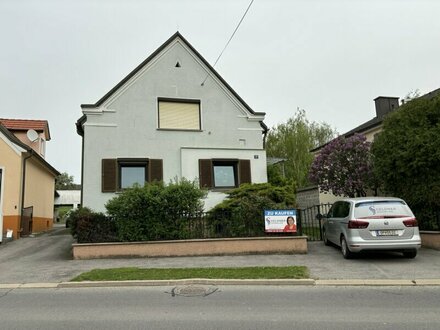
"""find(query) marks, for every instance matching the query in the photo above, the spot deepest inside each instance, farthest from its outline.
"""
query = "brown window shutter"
(244, 170)
(155, 170)
(205, 173)
(109, 175)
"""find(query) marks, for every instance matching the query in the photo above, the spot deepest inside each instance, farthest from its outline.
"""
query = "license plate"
(387, 233)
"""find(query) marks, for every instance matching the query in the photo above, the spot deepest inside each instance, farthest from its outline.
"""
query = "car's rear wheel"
(410, 254)
(346, 253)
(324, 238)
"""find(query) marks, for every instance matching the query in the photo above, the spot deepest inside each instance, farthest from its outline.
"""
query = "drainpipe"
(264, 138)
(24, 183)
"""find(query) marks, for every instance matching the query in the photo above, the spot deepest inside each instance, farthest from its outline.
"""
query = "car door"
(337, 220)
(341, 218)
(330, 223)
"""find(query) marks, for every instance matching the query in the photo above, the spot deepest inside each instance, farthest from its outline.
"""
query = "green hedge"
(90, 227)
(156, 211)
(241, 214)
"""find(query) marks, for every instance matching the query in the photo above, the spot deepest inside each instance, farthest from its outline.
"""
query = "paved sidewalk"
(47, 259)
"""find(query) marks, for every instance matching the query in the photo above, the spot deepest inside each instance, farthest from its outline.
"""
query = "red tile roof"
(26, 124)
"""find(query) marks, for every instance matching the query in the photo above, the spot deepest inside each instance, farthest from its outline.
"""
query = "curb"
(201, 281)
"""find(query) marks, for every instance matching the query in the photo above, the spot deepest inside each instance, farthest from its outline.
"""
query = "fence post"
(319, 223)
(299, 222)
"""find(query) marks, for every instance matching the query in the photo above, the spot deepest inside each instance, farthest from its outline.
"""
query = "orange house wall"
(12, 222)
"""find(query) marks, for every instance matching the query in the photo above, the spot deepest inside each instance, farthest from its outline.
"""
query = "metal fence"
(309, 225)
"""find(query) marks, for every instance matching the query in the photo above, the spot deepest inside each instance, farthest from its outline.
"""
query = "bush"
(91, 227)
(156, 211)
(406, 157)
(241, 214)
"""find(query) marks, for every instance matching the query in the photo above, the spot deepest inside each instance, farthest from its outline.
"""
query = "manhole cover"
(193, 291)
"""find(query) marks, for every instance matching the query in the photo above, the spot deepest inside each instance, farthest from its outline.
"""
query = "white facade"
(125, 124)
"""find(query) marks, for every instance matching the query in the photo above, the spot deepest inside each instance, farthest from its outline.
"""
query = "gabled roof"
(11, 137)
(377, 121)
(152, 56)
(26, 124)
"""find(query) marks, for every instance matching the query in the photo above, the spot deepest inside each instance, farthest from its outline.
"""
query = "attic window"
(179, 114)
(177, 64)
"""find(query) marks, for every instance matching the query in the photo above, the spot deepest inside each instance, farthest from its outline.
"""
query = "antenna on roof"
(32, 135)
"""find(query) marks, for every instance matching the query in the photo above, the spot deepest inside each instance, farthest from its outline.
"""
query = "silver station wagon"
(371, 223)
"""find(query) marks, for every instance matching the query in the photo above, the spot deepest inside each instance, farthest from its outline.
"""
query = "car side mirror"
(319, 216)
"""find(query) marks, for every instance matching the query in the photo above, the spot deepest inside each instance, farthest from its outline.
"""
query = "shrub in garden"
(241, 214)
(156, 211)
(92, 227)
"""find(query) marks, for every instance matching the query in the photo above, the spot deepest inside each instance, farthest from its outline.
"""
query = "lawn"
(133, 273)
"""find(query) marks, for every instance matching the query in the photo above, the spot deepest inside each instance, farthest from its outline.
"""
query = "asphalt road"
(48, 258)
(204, 307)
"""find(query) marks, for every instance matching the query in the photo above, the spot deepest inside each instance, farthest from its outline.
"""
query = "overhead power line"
(232, 36)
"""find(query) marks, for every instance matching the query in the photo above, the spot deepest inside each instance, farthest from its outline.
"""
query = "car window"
(382, 209)
(339, 210)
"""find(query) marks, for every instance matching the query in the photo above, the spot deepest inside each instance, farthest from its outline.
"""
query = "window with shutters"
(179, 114)
(122, 173)
(132, 172)
(224, 173)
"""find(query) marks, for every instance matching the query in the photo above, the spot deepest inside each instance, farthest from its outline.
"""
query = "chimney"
(385, 104)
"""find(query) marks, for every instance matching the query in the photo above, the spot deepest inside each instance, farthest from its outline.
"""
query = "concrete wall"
(202, 247)
(127, 124)
(430, 239)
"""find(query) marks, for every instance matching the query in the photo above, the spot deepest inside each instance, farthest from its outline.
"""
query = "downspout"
(264, 138)
(24, 183)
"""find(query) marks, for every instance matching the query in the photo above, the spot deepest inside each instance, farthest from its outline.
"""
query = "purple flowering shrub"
(344, 166)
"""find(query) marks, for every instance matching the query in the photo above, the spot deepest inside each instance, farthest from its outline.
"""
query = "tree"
(407, 155)
(64, 181)
(344, 166)
(293, 141)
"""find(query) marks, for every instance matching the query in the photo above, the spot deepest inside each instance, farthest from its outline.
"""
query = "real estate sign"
(280, 221)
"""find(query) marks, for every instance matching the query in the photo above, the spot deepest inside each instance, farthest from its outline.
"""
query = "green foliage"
(293, 141)
(156, 211)
(89, 227)
(407, 155)
(241, 214)
(62, 211)
(64, 181)
(343, 166)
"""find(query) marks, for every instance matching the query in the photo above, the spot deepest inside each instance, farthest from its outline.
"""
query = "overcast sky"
(329, 57)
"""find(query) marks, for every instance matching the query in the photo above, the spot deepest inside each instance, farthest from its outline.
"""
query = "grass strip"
(134, 273)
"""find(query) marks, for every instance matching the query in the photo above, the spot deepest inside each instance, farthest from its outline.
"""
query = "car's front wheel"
(346, 253)
(410, 254)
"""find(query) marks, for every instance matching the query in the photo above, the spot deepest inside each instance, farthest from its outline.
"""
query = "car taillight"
(358, 224)
(410, 222)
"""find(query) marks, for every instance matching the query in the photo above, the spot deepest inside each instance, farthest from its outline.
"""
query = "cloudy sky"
(329, 57)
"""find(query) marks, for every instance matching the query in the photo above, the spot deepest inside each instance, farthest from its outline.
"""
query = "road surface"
(225, 307)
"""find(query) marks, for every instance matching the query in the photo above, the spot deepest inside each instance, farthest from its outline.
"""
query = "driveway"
(47, 258)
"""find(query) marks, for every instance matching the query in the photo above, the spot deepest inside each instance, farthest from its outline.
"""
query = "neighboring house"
(171, 117)
(27, 180)
(309, 196)
(67, 199)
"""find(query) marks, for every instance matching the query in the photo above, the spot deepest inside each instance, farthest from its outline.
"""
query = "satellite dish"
(32, 135)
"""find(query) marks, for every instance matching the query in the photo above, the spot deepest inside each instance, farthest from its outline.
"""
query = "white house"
(172, 117)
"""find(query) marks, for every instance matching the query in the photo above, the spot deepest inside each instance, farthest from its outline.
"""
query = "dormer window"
(179, 114)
